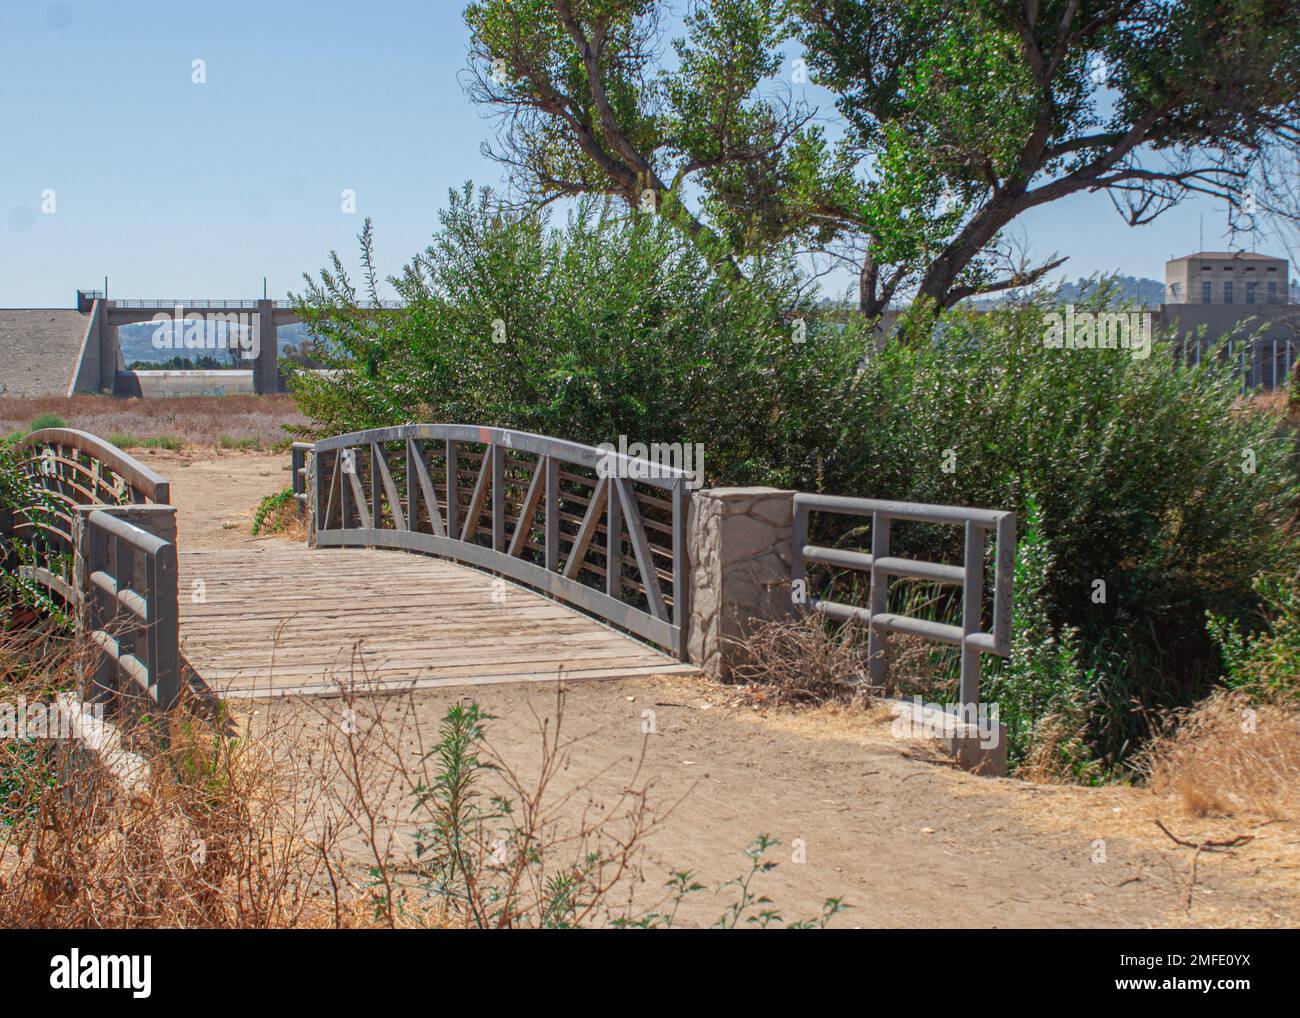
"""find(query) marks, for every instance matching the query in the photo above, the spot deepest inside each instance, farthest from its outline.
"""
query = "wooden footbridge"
(278, 618)
(541, 558)
(444, 555)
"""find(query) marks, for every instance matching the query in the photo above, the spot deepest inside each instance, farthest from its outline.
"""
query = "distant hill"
(1128, 290)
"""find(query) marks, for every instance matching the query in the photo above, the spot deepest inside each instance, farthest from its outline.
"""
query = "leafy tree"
(955, 117)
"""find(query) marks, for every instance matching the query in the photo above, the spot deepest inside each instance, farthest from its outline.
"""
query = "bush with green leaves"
(274, 512)
(1265, 663)
(1161, 495)
(608, 326)
(1043, 694)
(19, 495)
(48, 421)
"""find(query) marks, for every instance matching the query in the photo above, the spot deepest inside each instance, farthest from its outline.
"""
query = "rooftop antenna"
(1202, 244)
(263, 288)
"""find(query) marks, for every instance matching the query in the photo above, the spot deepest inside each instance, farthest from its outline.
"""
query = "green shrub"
(271, 514)
(1161, 497)
(170, 442)
(1043, 695)
(1265, 664)
(610, 326)
(18, 494)
(48, 421)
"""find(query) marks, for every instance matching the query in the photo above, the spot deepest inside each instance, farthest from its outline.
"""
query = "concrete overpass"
(101, 362)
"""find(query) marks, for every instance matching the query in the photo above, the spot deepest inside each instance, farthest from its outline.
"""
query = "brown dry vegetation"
(297, 823)
(209, 834)
(792, 662)
(198, 420)
(1230, 756)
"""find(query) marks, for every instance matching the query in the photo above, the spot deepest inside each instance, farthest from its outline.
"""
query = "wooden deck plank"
(276, 618)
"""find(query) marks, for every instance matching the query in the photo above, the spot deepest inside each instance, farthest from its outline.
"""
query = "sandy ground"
(884, 824)
(216, 492)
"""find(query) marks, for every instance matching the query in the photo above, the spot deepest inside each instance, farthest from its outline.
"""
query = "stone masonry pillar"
(738, 542)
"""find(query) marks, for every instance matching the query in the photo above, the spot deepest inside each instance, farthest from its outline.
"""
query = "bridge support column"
(111, 360)
(266, 366)
(738, 542)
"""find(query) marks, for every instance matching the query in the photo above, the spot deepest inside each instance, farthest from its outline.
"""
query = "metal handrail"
(145, 484)
(188, 303)
(970, 636)
(130, 612)
(490, 529)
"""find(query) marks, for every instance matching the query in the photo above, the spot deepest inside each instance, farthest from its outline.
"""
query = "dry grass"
(801, 661)
(212, 835)
(1230, 757)
(305, 821)
(198, 420)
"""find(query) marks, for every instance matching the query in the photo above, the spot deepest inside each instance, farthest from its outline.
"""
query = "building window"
(1227, 291)
(1206, 295)
(1272, 292)
(1250, 292)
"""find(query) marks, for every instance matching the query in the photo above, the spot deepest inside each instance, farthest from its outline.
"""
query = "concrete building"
(1226, 277)
(1210, 295)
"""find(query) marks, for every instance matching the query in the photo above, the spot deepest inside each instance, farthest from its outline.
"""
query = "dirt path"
(216, 493)
(905, 840)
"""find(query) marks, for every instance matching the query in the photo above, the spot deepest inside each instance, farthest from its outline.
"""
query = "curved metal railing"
(591, 527)
(125, 590)
(75, 468)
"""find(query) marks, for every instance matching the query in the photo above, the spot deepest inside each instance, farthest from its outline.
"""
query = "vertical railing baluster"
(319, 499)
(877, 639)
(345, 485)
(798, 568)
(613, 543)
(681, 502)
(376, 502)
(104, 683)
(453, 493)
(163, 625)
(972, 603)
(552, 513)
(413, 485)
(498, 454)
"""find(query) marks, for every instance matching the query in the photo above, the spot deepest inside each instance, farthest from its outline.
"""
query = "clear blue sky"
(174, 189)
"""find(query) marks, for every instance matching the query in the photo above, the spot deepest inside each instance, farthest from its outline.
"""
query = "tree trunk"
(941, 276)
